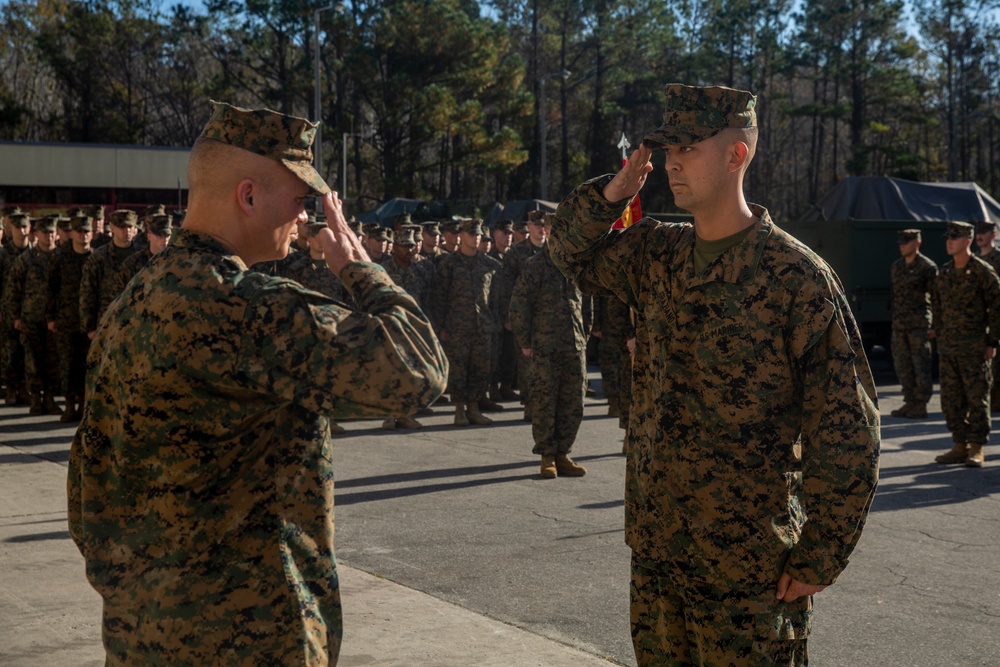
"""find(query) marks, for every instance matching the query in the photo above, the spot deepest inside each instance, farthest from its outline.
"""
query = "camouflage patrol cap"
(374, 230)
(63, 222)
(696, 113)
(45, 224)
(96, 212)
(451, 226)
(401, 219)
(471, 226)
(431, 227)
(286, 139)
(504, 226)
(985, 226)
(405, 235)
(154, 209)
(124, 217)
(907, 235)
(313, 227)
(20, 220)
(356, 227)
(81, 223)
(11, 211)
(535, 217)
(521, 227)
(75, 211)
(958, 230)
(160, 225)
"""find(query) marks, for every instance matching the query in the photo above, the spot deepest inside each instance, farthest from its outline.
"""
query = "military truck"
(854, 229)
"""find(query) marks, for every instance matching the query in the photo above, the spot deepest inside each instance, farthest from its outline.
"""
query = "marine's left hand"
(790, 589)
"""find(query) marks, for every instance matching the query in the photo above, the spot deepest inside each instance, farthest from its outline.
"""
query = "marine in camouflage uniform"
(985, 235)
(158, 231)
(430, 241)
(519, 254)
(101, 237)
(100, 274)
(12, 352)
(310, 269)
(377, 241)
(63, 310)
(25, 299)
(415, 274)
(912, 279)
(966, 307)
(754, 407)
(461, 308)
(505, 351)
(201, 478)
(613, 326)
(552, 320)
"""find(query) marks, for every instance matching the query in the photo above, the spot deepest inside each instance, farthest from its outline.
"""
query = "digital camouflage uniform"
(993, 259)
(159, 225)
(966, 307)
(911, 286)
(26, 299)
(12, 352)
(753, 410)
(513, 263)
(315, 274)
(612, 318)
(505, 352)
(201, 477)
(416, 278)
(100, 283)
(63, 309)
(460, 307)
(550, 315)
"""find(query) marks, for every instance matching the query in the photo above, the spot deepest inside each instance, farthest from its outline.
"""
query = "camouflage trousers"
(524, 377)
(41, 362)
(505, 355)
(13, 357)
(557, 389)
(625, 390)
(610, 357)
(911, 357)
(965, 396)
(73, 346)
(470, 360)
(677, 622)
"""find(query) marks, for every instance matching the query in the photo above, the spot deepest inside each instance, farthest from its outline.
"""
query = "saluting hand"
(632, 176)
(341, 246)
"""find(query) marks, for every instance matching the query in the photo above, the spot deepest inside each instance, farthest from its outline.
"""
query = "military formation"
(958, 306)
(58, 274)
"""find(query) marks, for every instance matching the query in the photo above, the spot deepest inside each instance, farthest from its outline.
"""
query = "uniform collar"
(737, 265)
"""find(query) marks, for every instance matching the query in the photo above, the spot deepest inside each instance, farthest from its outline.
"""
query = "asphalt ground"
(453, 551)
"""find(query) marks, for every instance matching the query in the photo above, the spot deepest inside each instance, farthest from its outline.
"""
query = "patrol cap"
(356, 227)
(12, 211)
(96, 212)
(401, 219)
(75, 211)
(471, 226)
(521, 226)
(154, 209)
(46, 224)
(451, 226)
(374, 230)
(405, 235)
(958, 230)
(63, 222)
(503, 226)
(430, 227)
(548, 218)
(535, 217)
(286, 139)
(313, 227)
(20, 220)
(985, 226)
(696, 113)
(907, 235)
(124, 217)
(81, 223)
(160, 225)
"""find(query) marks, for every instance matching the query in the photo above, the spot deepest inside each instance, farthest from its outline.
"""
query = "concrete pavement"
(453, 552)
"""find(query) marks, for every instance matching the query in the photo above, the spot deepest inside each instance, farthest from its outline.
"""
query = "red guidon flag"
(632, 214)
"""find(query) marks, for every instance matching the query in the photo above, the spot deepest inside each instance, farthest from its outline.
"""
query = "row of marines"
(58, 274)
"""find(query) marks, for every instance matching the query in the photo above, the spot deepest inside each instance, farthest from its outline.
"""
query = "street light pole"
(317, 106)
(542, 128)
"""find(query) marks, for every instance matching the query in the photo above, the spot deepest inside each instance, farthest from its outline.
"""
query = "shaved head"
(215, 168)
